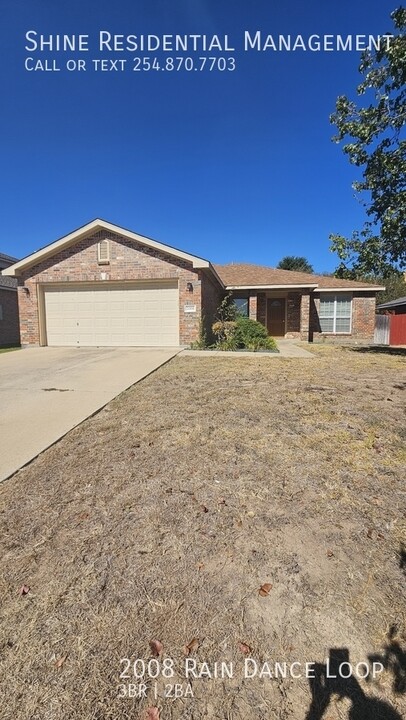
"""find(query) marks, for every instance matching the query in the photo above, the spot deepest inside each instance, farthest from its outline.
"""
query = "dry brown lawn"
(159, 519)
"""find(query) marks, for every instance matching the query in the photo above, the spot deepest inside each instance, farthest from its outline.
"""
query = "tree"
(295, 262)
(372, 136)
(395, 287)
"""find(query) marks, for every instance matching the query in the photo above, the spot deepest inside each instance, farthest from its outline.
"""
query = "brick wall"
(212, 295)
(129, 260)
(9, 325)
(303, 319)
(363, 316)
(261, 308)
(305, 316)
(363, 320)
(293, 315)
(252, 306)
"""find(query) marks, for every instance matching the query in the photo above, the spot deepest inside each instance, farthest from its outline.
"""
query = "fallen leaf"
(60, 661)
(330, 553)
(380, 536)
(264, 589)
(222, 501)
(192, 646)
(204, 508)
(24, 589)
(250, 514)
(156, 647)
(200, 566)
(369, 533)
(245, 649)
(152, 713)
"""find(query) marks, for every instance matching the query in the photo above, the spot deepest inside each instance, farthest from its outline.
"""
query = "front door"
(276, 308)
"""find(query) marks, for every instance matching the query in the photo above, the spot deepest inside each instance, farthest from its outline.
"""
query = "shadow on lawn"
(393, 658)
(378, 349)
(328, 681)
(402, 558)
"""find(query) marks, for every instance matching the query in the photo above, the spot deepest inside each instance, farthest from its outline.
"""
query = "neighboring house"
(102, 285)
(9, 321)
(397, 307)
(396, 320)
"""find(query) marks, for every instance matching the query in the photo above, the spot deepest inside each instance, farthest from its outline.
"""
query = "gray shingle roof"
(392, 303)
(8, 282)
(6, 260)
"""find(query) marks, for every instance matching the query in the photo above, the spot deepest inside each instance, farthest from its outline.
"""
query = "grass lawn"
(161, 517)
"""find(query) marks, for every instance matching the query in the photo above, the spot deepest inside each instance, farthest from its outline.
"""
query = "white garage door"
(113, 315)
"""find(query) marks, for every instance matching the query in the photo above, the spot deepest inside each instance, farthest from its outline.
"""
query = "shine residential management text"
(251, 41)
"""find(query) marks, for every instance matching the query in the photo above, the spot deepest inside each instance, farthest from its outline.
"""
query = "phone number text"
(188, 64)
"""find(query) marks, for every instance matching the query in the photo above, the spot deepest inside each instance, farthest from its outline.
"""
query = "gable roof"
(239, 276)
(89, 229)
(392, 303)
(244, 276)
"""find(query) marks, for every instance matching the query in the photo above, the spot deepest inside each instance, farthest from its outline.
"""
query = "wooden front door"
(276, 310)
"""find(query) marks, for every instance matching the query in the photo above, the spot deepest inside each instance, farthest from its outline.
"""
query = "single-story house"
(9, 320)
(103, 285)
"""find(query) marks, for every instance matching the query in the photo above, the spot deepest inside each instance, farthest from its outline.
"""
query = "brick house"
(103, 285)
(9, 320)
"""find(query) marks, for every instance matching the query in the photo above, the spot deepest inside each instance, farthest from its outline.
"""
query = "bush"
(252, 335)
(224, 331)
(241, 334)
(226, 311)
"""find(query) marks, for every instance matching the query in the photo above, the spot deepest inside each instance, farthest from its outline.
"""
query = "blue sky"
(232, 166)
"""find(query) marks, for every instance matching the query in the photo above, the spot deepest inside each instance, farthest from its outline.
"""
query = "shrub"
(252, 335)
(226, 311)
(224, 331)
(242, 333)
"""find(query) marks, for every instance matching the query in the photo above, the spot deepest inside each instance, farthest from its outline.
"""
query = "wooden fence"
(397, 334)
(382, 329)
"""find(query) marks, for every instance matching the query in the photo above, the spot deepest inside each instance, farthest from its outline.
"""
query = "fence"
(397, 334)
(382, 329)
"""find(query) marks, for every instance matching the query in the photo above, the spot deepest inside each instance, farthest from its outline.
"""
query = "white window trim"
(342, 332)
(103, 260)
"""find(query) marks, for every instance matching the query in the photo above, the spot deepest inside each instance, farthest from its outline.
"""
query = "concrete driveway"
(45, 392)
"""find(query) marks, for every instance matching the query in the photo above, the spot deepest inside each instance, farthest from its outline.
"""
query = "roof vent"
(103, 252)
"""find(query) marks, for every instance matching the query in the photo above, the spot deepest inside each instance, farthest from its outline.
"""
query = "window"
(335, 313)
(103, 252)
(242, 306)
